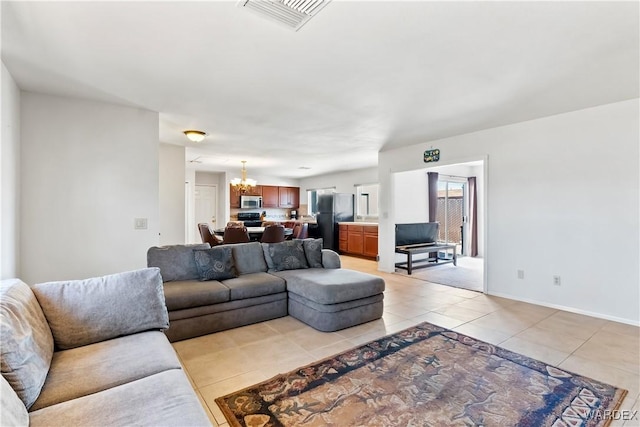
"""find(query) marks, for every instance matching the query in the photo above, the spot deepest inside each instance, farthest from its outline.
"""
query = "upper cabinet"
(254, 191)
(234, 197)
(289, 197)
(270, 196)
(234, 194)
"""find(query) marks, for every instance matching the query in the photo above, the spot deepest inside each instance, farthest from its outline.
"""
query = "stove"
(250, 219)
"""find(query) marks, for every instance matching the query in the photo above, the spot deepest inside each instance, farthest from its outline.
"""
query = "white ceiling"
(360, 77)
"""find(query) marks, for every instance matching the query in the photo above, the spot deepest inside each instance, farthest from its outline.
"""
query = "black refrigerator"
(333, 208)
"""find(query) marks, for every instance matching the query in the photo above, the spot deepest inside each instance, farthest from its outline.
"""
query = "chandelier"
(243, 184)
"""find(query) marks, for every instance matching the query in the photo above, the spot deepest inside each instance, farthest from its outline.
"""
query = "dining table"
(255, 233)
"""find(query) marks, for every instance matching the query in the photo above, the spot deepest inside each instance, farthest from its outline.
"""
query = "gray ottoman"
(333, 299)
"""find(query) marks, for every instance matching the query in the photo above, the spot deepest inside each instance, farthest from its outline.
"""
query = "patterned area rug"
(424, 376)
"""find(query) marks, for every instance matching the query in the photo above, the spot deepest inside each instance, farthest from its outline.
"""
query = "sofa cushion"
(163, 399)
(92, 368)
(313, 252)
(176, 262)
(254, 285)
(215, 263)
(331, 286)
(82, 312)
(287, 255)
(192, 293)
(248, 258)
(12, 409)
(27, 343)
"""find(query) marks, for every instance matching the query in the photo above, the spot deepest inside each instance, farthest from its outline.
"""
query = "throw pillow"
(27, 343)
(313, 252)
(175, 261)
(82, 312)
(248, 258)
(215, 263)
(287, 255)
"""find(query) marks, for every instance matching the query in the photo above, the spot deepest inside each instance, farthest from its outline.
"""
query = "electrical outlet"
(520, 274)
(556, 280)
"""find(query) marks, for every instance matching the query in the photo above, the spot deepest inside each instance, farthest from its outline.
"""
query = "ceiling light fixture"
(195, 135)
(243, 184)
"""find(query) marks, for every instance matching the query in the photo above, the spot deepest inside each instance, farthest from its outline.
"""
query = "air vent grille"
(291, 13)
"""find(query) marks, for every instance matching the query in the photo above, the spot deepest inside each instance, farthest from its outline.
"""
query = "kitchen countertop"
(358, 223)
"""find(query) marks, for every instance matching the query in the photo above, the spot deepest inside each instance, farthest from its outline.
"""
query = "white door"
(206, 205)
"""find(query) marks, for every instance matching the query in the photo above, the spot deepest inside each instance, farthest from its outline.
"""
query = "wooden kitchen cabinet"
(234, 197)
(356, 239)
(370, 241)
(270, 196)
(256, 190)
(342, 237)
(289, 197)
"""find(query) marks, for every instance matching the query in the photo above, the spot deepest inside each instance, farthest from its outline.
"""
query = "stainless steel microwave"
(250, 202)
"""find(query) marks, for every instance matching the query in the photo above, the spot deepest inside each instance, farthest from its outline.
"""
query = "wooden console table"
(410, 250)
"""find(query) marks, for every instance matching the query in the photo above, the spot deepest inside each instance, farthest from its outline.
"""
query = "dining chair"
(207, 236)
(303, 233)
(235, 235)
(290, 224)
(273, 234)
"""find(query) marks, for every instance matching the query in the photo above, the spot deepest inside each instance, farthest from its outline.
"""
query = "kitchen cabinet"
(370, 241)
(234, 197)
(234, 194)
(354, 239)
(256, 190)
(342, 237)
(358, 239)
(270, 196)
(289, 197)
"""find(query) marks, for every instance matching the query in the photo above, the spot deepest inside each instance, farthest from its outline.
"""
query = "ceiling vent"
(291, 13)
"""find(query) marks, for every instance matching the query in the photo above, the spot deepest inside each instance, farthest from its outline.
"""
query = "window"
(312, 198)
(367, 201)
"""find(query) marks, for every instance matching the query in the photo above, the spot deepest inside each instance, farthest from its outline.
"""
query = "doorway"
(461, 212)
(451, 212)
(206, 204)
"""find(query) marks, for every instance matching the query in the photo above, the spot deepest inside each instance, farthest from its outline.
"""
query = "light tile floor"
(227, 361)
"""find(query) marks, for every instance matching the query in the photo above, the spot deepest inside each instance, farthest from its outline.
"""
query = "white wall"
(88, 169)
(562, 199)
(172, 194)
(410, 200)
(9, 176)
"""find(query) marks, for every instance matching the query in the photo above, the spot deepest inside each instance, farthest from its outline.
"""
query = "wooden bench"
(421, 238)
(410, 250)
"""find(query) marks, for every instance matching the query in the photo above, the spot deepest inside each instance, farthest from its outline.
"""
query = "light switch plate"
(140, 224)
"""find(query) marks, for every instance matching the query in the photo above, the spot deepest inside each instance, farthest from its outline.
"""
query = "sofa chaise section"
(333, 299)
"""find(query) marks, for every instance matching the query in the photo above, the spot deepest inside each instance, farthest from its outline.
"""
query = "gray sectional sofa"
(212, 289)
(91, 353)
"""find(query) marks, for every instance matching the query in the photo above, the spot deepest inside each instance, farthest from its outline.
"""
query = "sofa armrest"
(330, 259)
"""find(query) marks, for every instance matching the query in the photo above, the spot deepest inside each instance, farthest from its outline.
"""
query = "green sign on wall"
(431, 155)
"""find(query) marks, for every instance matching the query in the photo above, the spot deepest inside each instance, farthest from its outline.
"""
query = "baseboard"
(569, 309)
